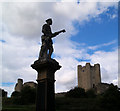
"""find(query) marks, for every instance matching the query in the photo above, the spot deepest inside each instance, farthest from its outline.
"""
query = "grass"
(63, 104)
(74, 104)
(18, 108)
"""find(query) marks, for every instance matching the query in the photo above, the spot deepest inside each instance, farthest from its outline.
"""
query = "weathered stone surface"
(102, 87)
(40, 63)
(88, 76)
(31, 84)
(46, 69)
(19, 85)
(3, 93)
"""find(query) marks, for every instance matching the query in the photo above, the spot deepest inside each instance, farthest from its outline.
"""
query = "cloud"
(67, 76)
(22, 30)
(9, 89)
(25, 19)
(109, 64)
(60, 1)
(102, 45)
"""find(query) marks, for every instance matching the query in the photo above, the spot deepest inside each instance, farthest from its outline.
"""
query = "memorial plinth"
(46, 69)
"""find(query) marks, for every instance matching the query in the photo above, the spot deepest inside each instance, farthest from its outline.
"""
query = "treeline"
(110, 99)
(25, 97)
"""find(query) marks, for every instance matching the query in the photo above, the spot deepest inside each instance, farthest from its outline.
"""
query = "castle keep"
(89, 76)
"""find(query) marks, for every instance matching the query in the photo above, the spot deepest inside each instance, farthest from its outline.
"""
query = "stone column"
(46, 69)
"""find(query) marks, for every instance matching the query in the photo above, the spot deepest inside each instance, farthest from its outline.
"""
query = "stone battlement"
(88, 65)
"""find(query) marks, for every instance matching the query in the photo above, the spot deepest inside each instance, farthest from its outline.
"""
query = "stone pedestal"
(46, 69)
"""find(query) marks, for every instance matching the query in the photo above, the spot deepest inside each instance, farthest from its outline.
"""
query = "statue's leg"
(45, 52)
(42, 51)
(50, 50)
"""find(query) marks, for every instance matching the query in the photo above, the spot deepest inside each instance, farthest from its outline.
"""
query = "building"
(89, 76)
(19, 85)
(3, 93)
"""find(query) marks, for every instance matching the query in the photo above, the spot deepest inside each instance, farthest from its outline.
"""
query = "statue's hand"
(63, 30)
(56, 33)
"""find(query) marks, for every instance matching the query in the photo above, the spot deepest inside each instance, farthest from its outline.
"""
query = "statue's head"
(49, 21)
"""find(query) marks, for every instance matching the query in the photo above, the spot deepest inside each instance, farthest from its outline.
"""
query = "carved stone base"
(46, 68)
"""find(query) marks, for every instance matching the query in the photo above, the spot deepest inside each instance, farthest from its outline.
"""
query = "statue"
(47, 44)
(46, 68)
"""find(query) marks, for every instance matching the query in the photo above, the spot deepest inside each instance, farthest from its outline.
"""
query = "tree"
(28, 95)
(111, 98)
(15, 94)
(91, 93)
(76, 93)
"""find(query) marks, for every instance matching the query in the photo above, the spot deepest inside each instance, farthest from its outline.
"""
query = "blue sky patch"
(100, 32)
(7, 83)
(3, 41)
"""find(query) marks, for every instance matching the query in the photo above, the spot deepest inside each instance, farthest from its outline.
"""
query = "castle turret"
(88, 76)
(19, 85)
(97, 74)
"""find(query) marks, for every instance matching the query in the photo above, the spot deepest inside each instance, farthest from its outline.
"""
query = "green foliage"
(76, 100)
(15, 94)
(4, 93)
(91, 93)
(6, 101)
(76, 93)
(111, 98)
(19, 108)
(77, 104)
(28, 95)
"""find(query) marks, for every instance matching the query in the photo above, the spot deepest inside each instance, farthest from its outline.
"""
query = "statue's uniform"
(46, 40)
(46, 29)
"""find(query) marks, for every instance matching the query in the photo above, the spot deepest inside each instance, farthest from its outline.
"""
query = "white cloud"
(102, 45)
(9, 89)
(115, 81)
(113, 16)
(109, 64)
(59, 0)
(26, 19)
(17, 56)
(99, 1)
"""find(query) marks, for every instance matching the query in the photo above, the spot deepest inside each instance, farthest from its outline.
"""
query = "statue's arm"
(56, 33)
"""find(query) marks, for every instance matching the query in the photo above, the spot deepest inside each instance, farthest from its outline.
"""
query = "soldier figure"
(47, 47)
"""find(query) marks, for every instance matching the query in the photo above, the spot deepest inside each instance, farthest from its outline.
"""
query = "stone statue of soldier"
(47, 43)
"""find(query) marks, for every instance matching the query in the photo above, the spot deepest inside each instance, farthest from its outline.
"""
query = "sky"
(91, 36)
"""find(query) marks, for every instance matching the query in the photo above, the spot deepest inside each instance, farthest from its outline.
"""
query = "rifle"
(56, 33)
(47, 39)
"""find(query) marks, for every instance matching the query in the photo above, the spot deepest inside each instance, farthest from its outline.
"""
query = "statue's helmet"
(49, 20)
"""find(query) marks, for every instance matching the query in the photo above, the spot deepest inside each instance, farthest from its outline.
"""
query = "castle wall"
(97, 74)
(102, 87)
(88, 76)
(19, 85)
(31, 84)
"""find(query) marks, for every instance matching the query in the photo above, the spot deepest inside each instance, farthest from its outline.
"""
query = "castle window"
(93, 85)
